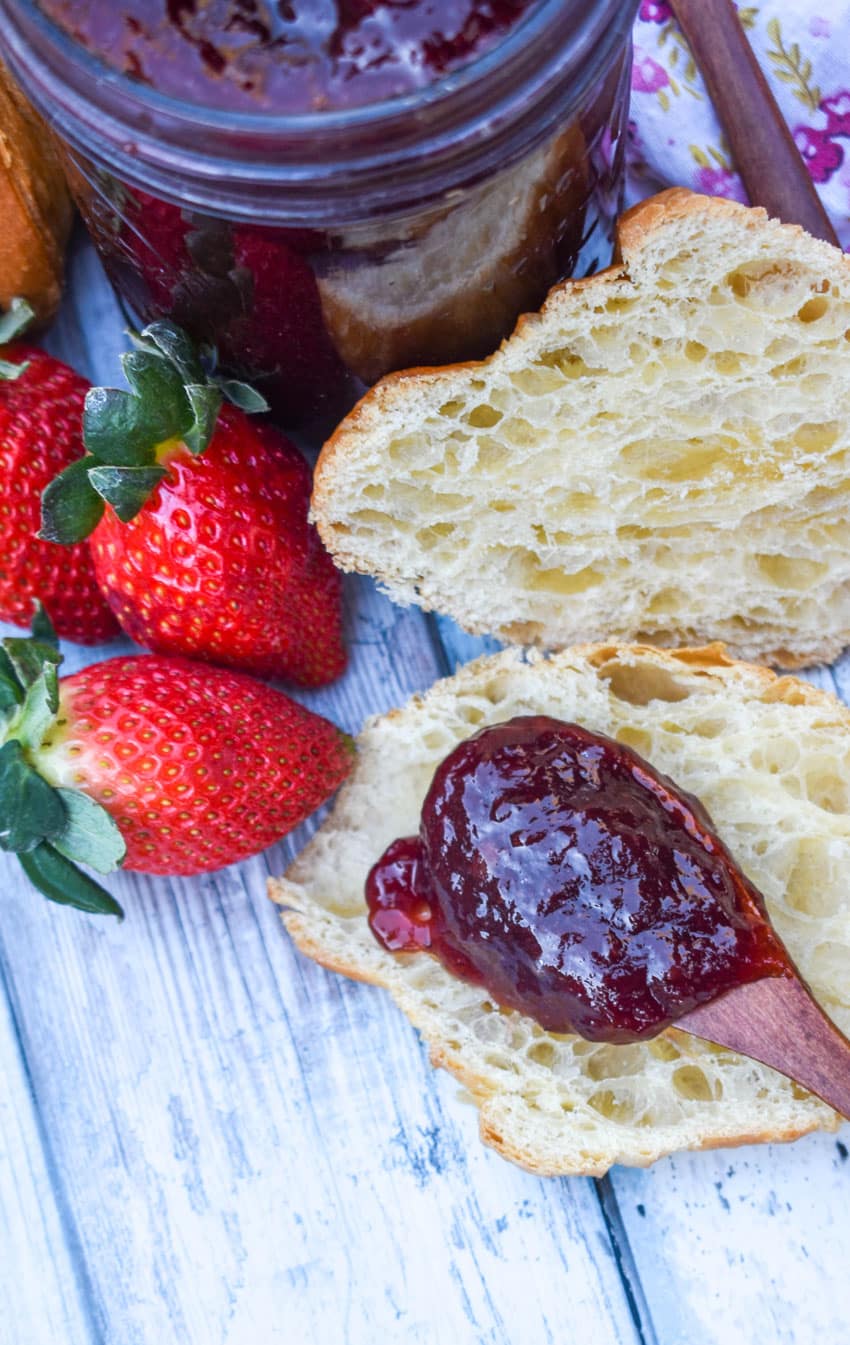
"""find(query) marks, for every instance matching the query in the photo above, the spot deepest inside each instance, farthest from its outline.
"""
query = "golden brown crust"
(34, 205)
(636, 225)
(481, 1091)
(494, 1139)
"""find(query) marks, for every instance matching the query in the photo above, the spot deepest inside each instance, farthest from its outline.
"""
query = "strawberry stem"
(50, 829)
(174, 394)
(12, 323)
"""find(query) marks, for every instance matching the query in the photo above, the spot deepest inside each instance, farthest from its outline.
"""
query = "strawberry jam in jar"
(329, 190)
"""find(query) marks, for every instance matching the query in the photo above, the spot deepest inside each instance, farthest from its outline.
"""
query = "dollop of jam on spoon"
(557, 869)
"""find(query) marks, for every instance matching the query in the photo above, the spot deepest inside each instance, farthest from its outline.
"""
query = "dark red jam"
(298, 56)
(561, 872)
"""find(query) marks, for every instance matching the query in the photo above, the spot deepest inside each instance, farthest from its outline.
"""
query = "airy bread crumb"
(768, 756)
(661, 454)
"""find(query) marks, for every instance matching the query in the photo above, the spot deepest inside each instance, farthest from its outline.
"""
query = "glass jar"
(324, 249)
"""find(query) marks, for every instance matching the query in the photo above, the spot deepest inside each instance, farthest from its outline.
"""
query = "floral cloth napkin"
(674, 135)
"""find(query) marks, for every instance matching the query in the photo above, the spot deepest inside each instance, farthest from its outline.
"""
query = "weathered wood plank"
(743, 1245)
(841, 675)
(458, 647)
(89, 329)
(43, 1289)
(248, 1148)
(255, 1149)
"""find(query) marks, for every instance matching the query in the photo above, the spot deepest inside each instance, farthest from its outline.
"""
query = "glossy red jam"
(557, 869)
(304, 55)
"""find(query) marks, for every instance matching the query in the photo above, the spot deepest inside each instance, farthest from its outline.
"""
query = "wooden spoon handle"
(778, 1022)
(762, 145)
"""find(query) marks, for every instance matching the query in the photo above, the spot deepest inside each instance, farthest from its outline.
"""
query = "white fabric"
(675, 137)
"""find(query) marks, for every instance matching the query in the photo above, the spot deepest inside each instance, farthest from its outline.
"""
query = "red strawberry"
(282, 326)
(221, 564)
(249, 289)
(41, 413)
(198, 767)
(204, 548)
(155, 236)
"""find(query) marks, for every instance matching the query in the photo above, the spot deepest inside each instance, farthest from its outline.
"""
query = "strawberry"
(41, 416)
(155, 236)
(250, 289)
(200, 538)
(155, 763)
(282, 326)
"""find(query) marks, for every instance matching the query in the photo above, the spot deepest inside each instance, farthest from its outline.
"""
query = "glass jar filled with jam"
(329, 190)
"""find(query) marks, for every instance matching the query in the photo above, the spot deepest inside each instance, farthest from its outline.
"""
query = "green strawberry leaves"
(9, 371)
(17, 316)
(42, 629)
(50, 829)
(11, 694)
(119, 431)
(29, 658)
(89, 836)
(166, 338)
(39, 708)
(29, 685)
(127, 489)
(175, 394)
(30, 809)
(206, 404)
(61, 881)
(12, 322)
(70, 506)
(250, 401)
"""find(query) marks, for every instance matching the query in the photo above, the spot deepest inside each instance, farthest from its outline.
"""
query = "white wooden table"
(205, 1138)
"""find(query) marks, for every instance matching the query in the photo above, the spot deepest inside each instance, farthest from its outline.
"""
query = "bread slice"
(769, 756)
(35, 206)
(663, 453)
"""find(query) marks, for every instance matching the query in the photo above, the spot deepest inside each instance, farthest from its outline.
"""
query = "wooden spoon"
(776, 1020)
(762, 145)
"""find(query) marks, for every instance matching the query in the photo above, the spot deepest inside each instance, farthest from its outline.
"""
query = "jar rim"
(531, 28)
(481, 115)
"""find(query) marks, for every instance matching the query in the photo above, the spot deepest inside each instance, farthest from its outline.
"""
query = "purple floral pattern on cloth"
(803, 47)
(648, 76)
(716, 181)
(837, 109)
(822, 155)
(655, 11)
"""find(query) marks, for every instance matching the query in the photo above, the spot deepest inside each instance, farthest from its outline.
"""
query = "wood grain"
(745, 1244)
(42, 1280)
(255, 1150)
